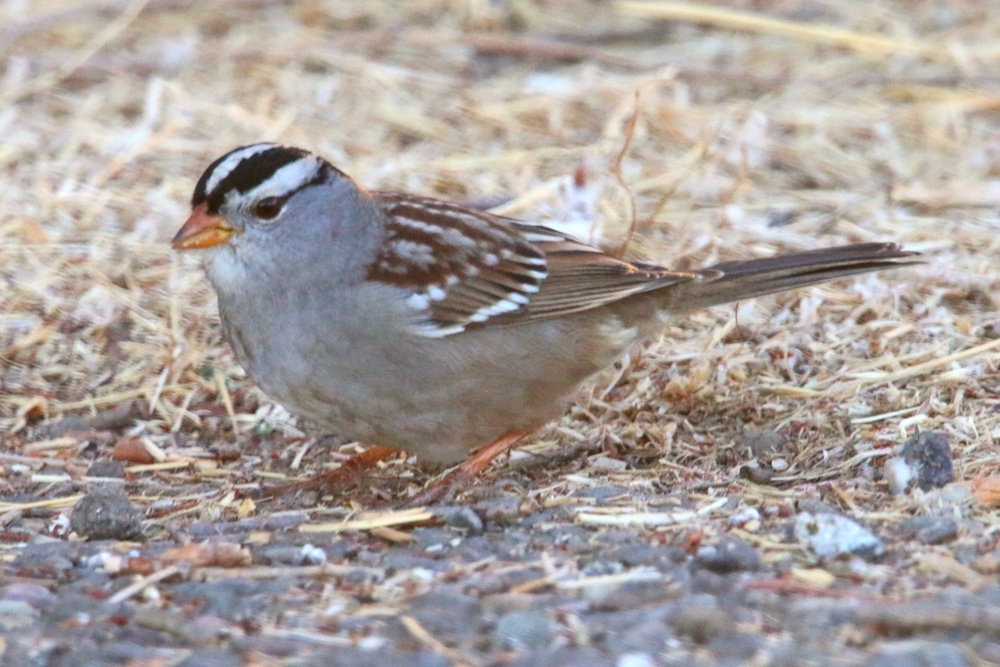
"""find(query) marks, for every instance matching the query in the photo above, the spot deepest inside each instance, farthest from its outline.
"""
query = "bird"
(414, 324)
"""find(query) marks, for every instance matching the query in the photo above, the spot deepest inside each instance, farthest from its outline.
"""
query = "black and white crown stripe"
(228, 163)
(256, 172)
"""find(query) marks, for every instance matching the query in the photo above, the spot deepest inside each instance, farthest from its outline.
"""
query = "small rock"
(311, 555)
(136, 449)
(603, 493)
(702, 623)
(282, 554)
(762, 444)
(212, 657)
(831, 535)
(931, 529)
(106, 513)
(434, 538)
(729, 554)
(744, 516)
(107, 468)
(16, 615)
(445, 613)
(757, 474)
(502, 510)
(607, 463)
(663, 558)
(460, 517)
(736, 647)
(813, 505)
(33, 594)
(924, 462)
(636, 660)
(523, 631)
(988, 563)
(917, 653)
(951, 500)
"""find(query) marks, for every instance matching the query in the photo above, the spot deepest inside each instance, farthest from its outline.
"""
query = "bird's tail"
(735, 281)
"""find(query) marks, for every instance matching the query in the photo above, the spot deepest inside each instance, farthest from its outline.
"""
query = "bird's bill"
(202, 230)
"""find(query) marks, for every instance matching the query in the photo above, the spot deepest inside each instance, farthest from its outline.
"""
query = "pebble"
(16, 614)
(635, 660)
(445, 613)
(832, 535)
(212, 657)
(107, 468)
(503, 510)
(106, 513)
(462, 517)
(523, 631)
(924, 462)
(744, 516)
(763, 444)
(931, 529)
(757, 474)
(702, 622)
(814, 505)
(33, 594)
(630, 595)
(729, 554)
(917, 653)
(664, 558)
(231, 599)
(736, 647)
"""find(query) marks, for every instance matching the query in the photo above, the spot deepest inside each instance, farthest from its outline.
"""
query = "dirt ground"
(735, 493)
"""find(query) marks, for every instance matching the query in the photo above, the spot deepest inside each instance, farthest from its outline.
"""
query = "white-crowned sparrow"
(420, 325)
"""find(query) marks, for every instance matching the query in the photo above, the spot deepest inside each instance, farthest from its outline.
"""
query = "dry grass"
(759, 128)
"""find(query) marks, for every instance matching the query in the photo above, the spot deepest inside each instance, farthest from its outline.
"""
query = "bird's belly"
(437, 398)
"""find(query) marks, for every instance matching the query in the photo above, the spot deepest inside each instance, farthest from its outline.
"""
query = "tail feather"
(735, 281)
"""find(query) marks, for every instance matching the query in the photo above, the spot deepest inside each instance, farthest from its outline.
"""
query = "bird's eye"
(268, 208)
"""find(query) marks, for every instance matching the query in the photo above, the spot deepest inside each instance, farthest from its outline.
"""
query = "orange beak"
(202, 230)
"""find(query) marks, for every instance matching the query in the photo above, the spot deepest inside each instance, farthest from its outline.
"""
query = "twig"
(730, 19)
(132, 589)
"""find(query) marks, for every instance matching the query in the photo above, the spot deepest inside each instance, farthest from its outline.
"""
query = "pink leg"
(467, 471)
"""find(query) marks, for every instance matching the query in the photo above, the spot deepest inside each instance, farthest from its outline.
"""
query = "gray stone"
(106, 513)
(931, 529)
(16, 614)
(523, 631)
(729, 554)
(763, 444)
(924, 462)
(462, 517)
(832, 535)
(917, 653)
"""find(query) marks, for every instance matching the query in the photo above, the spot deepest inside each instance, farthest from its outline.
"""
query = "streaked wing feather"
(580, 281)
(485, 268)
(498, 269)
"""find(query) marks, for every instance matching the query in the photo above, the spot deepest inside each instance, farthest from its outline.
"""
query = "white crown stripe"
(234, 159)
(287, 179)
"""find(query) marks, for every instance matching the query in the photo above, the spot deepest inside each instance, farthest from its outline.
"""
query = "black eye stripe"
(249, 173)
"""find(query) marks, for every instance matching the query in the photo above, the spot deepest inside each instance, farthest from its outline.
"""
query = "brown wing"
(468, 267)
(582, 277)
